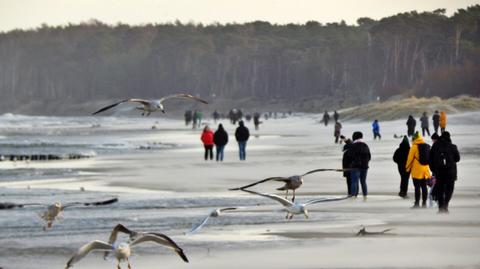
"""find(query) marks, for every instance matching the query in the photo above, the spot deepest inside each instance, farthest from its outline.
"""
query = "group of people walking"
(219, 139)
(439, 120)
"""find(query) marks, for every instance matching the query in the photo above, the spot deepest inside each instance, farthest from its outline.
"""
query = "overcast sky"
(32, 13)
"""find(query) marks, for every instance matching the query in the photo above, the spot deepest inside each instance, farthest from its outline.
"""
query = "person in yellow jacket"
(443, 121)
(420, 173)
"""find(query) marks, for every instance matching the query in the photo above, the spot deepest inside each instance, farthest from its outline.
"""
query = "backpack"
(424, 154)
(444, 160)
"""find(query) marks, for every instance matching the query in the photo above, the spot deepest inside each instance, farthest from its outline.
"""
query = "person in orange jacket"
(443, 121)
(420, 173)
(207, 139)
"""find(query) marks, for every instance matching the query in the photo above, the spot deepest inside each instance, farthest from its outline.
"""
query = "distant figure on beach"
(194, 119)
(188, 117)
(376, 130)
(359, 156)
(207, 139)
(337, 130)
(241, 135)
(443, 163)
(215, 116)
(220, 138)
(411, 123)
(417, 165)
(346, 164)
(424, 124)
(400, 158)
(436, 121)
(256, 120)
(326, 118)
(443, 121)
(336, 116)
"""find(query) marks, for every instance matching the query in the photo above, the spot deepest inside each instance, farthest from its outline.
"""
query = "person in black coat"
(346, 164)
(359, 155)
(443, 162)
(411, 123)
(400, 157)
(220, 138)
(242, 134)
(436, 121)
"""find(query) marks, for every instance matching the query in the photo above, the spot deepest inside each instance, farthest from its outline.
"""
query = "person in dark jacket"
(443, 162)
(400, 158)
(436, 121)
(242, 134)
(411, 123)
(326, 118)
(346, 164)
(256, 120)
(336, 116)
(337, 131)
(424, 124)
(220, 138)
(359, 155)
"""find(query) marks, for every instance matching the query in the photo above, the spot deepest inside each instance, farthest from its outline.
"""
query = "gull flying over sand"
(123, 250)
(213, 214)
(149, 106)
(295, 208)
(54, 211)
(291, 183)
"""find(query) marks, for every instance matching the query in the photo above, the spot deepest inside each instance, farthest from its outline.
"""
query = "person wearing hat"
(400, 158)
(359, 156)
(443, 161)
(420, 173)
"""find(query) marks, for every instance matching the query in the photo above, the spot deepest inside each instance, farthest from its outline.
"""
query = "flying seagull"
(149, 106)
(291, 183)
(213, 214)
(295, 208)
(123, 250)
(363, 232)
(54, 211)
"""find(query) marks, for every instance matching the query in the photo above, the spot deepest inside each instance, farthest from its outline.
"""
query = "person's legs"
(435, 127)
(363, 181)
(241, 147)
(416, 183)
(210, 150)
(428, 131)
(221, 150)
(206, 152)
(349, 184)
(404, 176)
(449, 187)
(423, 186)
(423, 132)
(355, 177)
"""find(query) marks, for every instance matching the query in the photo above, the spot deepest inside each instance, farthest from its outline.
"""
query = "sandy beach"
(164, 185)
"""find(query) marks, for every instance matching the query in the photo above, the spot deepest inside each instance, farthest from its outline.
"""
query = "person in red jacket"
(207, 139)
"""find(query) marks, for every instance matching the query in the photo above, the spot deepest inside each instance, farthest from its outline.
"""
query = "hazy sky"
(32, 13)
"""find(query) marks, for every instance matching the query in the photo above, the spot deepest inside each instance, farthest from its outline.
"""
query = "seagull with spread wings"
(123, 250)
(291, 183)
(149, 106)
(213, 214)
(295, 208)
(54, 211)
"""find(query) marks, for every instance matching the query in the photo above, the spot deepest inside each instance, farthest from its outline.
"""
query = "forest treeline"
(426, 54)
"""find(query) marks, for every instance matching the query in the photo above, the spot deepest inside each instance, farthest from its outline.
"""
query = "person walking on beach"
(220, 138)
(336, 116)
(346, 164)
(417, 165)
(359, 156)
(326, 118)
(337, 131)
(216, 116)
(424, 124)
(411, 123)
(443, 121)
(188, 117)
(444, 157)
(256, 120)
(241, 135)
(207, 139)
(436, 121)
(376, 130)
(400, 158)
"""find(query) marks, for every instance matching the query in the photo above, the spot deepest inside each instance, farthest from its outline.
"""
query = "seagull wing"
(141, 101)
(228, 209)
(99, 203)
(113, 236)
(323, 170)
(261, 181)
(321, 200)
(277, 198)
(7, 205)
(182, 95)
(162, 240)
(85, 249)
(199, 226)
